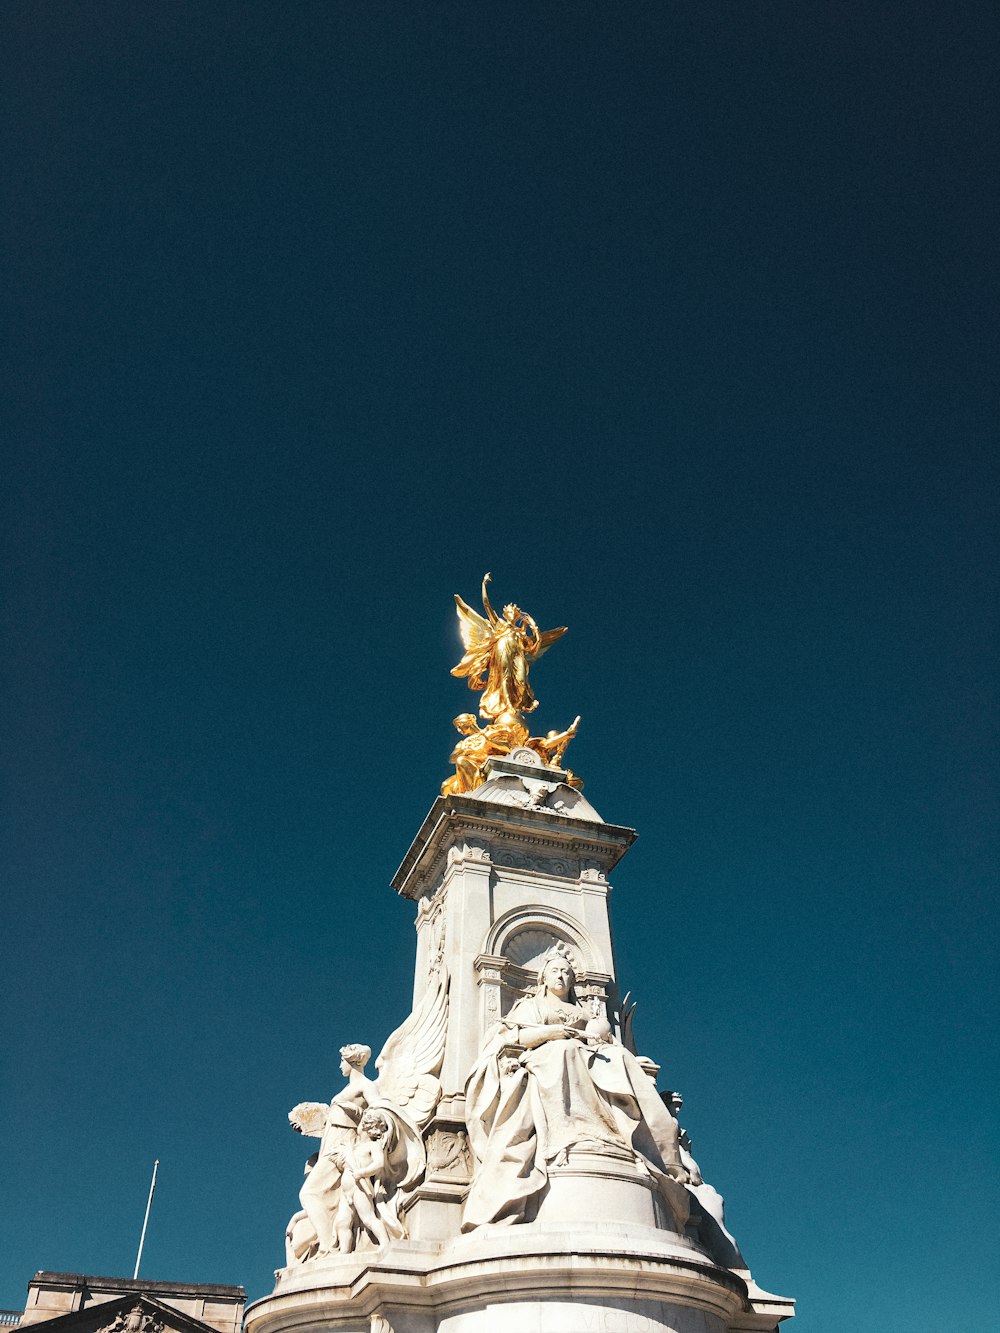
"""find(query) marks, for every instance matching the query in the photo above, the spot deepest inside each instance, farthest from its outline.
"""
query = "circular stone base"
(626, 1191)
(535, 1278)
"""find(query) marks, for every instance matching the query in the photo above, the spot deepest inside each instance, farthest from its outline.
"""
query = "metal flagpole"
(145, 1220)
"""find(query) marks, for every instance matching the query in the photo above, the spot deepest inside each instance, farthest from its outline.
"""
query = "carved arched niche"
(508, 967)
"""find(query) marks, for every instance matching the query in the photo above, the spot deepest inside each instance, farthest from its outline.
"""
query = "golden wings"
(480, 635)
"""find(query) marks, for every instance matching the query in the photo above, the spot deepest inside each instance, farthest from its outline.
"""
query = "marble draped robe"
(563, 1094)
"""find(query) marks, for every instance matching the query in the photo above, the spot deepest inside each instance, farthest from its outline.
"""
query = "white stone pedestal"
(499, 877)
(626, 1193)
(565, 1278)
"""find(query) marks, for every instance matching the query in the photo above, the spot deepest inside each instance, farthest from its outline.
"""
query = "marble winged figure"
(371, 1152)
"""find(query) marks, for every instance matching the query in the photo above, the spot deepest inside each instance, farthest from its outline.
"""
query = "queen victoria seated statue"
(551, 1085)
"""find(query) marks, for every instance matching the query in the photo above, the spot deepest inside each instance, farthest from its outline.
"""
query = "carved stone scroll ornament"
(371, 1155)
(551, 1082)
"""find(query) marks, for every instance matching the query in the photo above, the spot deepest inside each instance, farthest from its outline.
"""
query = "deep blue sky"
(678, 319)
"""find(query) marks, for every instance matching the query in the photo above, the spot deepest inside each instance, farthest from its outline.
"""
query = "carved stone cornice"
(597, 846)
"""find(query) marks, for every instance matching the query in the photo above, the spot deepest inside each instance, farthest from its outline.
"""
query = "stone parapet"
(53, 1294)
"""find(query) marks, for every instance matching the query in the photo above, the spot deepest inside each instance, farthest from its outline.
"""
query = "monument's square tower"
(512, 1165)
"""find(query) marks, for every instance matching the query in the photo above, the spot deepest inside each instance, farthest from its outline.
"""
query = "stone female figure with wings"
(371, 1153)
(498, 651)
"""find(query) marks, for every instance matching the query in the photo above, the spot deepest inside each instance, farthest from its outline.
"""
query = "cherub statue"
(404, 1094)
(498, 651)
(367, 1185)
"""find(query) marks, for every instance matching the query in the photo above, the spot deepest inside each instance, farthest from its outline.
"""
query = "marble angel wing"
(412, 1056)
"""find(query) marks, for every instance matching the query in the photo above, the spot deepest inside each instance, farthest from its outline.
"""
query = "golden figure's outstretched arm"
(490, 613)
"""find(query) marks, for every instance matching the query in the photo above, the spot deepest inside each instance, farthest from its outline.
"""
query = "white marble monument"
(511, 1165)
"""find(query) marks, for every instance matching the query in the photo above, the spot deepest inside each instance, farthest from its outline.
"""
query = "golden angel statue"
(498, 651)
